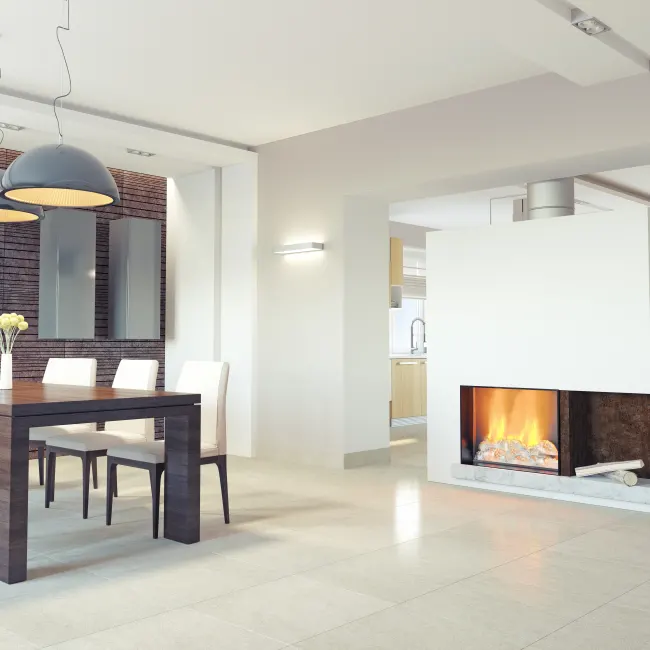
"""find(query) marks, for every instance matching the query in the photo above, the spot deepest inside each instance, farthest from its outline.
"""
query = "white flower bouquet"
(11, 325)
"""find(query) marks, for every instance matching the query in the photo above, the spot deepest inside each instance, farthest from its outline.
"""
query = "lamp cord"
(67, 67)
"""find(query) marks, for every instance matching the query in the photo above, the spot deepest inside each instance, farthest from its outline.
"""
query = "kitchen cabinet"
(408, 387)
(396, 272)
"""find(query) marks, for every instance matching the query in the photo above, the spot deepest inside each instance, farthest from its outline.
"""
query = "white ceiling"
(255, 71)
(495, 205)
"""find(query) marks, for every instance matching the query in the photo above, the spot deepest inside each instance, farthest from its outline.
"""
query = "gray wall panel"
(67, 275)
(134, 279)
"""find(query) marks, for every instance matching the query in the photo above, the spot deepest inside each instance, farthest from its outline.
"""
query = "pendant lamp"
(60, 175)
(12, 212)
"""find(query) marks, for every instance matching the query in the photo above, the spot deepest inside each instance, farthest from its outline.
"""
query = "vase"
(6, 372)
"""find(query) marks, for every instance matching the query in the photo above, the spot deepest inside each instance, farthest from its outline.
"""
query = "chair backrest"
(210, 378)
(72, 372)
(136, 374)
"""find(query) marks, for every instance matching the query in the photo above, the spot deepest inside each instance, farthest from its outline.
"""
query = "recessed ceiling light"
(138, 152)
(11, 127)
(587, 24)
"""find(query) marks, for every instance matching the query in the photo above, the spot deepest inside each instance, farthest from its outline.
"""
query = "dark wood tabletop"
(32, 398)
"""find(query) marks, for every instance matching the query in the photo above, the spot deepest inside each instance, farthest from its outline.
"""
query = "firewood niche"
(517, 427)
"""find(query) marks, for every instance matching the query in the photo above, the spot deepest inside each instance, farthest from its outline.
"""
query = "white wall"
(239, 299)
(559, 303)
(365, 325)
(414, 236)
(300, 332)
(193, 270)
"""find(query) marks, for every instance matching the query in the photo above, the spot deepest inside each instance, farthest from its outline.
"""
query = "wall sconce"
(305, 247)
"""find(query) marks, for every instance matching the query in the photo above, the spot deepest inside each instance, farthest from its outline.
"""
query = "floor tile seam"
(166, 611)
(301, 575)
(286, 644)
(591, 611)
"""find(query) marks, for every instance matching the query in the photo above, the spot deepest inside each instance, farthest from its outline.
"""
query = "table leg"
(183, 476)
(14, 483)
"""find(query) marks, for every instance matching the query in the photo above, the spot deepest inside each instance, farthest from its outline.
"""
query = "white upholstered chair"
(210, 379)
(131, 374)
(73, 372)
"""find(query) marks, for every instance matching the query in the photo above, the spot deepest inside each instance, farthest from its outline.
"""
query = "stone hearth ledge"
(597, 490)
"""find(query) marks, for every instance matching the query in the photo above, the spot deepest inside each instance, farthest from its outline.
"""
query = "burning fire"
(519, 425)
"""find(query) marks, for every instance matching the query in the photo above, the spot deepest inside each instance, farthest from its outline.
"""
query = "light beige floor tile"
(638, 598)
(607, 628)
(76, 612)
(460, 553)
(550, 571)
(11, 641)
(396, 629)
(388, 574)
(622, 545)
(46, 576)
(185, 583)
(292, 609)
(281, 549)
(488, 606)
(181, 629)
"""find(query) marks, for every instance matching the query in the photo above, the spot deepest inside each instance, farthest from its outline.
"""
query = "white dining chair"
(131, 374)
(71, 372)
(210, 379)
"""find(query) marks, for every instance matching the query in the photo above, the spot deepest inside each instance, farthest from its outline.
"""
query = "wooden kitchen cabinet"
(423, 386)
(396, 273)
(408, 387)
(396, 262)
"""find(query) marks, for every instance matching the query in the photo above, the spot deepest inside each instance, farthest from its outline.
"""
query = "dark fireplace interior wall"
(142, 196)
(604, 427)
(620, 428)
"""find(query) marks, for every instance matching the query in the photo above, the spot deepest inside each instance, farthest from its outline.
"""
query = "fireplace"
(513, 428)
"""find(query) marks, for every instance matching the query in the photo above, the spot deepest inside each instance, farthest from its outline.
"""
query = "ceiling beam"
(615, 189)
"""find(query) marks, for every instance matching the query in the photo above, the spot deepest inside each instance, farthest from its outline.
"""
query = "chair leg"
(94, 467)
(86, 463)
(49, 483)
(223, 479)
(111, 479)
(41, 464)
(155, 474)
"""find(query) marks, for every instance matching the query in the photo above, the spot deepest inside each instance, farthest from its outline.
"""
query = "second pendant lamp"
(60, 175)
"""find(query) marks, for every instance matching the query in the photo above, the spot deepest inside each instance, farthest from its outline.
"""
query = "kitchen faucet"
(424, 334)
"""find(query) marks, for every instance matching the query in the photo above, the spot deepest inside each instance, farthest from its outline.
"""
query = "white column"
(193, 271)
(366, 378)
(239, 299)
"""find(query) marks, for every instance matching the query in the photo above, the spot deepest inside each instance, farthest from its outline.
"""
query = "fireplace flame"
(516, 426)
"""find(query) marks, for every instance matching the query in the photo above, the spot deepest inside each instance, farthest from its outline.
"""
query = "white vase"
(6, 372)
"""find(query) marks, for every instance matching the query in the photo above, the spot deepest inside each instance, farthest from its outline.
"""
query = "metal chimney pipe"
(554, 198)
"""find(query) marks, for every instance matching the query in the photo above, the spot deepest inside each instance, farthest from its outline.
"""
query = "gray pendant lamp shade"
(13, 212)
(59, 176)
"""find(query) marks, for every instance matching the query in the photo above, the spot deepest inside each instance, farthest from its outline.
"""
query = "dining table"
(31, 404)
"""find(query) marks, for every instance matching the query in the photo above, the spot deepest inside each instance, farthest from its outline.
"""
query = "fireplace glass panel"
(514, 428)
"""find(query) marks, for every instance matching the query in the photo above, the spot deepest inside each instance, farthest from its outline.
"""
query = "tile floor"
(365, 559)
